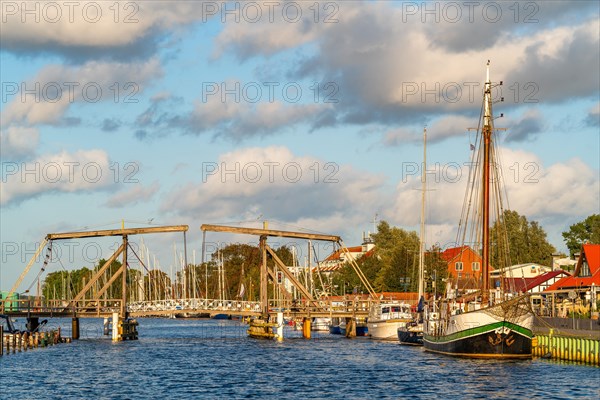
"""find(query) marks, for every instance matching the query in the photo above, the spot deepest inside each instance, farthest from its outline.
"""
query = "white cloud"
(441, 129)
(18, 142)
(138, 193)
(87, 29)
(81, 171)
(239, 120)
(280, 185)
(391, 70)
(56, 87)
(282, 29)
(548, 194)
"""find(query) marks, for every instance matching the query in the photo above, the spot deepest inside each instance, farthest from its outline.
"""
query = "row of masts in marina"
(150, 280)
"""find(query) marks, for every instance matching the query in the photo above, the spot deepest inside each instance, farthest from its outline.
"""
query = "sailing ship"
(483, 326)
(411, 333)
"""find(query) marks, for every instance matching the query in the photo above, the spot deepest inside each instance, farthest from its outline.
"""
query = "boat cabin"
(388, 311)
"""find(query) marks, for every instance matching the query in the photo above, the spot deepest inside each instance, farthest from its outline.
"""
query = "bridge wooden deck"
(183, 307)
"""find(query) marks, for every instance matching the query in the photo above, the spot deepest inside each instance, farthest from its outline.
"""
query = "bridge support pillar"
(306, 328)
(115, 327)
(280, 326)
(75, 328)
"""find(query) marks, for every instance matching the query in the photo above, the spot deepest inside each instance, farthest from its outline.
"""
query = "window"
(533, 269)
(458, 266)
(475, 266)
(585, 268)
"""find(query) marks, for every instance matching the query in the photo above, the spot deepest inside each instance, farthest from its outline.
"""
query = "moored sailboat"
(411, 333)
(482, 326)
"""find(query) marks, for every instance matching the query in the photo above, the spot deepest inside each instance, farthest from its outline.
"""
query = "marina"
(300, 200)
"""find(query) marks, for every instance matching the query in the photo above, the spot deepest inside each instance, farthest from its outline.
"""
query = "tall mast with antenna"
(487, 139)
(422, 231)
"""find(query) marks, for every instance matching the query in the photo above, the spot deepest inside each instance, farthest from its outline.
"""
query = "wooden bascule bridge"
(91, 302)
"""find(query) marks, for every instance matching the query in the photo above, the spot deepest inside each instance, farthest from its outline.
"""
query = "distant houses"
(338, 258)
(553, 289)
(586, 275)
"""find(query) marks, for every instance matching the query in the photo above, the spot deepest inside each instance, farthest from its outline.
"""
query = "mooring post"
(115, 327)
(306, 328)
(280, 326)
(1, 340)
(350, 327)
(75, 328)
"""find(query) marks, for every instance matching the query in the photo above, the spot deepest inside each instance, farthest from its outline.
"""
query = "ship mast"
(422, 232)
(487, 138)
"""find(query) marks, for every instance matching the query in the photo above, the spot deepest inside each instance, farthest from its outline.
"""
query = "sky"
(308, 115)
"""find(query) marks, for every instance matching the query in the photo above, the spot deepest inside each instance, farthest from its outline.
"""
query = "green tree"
(436, 270)
(586, 231)
(64, 285)
(393, 265)
(241, 265)
(514, 240)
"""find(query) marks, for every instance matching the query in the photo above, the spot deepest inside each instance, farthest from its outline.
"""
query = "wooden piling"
(75, 328)
(1, 340)
(350, 327)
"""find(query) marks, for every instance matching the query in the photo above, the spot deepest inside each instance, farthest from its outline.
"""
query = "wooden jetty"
(23, 341)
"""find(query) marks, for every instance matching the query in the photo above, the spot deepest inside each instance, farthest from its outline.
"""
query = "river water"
(208, 359)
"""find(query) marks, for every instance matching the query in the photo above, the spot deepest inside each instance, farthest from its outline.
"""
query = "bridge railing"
(231, 306)
(21, 305)
(303, 306)
(44, 306)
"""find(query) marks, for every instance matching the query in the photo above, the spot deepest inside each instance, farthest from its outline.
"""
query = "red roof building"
(536, 284)
(587, 271)
(463, 262)
(338, 258)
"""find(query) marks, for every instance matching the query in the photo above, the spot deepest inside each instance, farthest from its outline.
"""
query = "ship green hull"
(498, 340)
